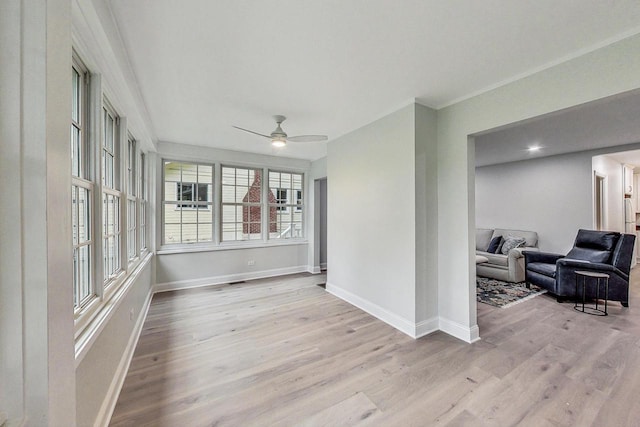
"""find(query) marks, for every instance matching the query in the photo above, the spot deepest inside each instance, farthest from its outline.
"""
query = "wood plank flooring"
(283, 351)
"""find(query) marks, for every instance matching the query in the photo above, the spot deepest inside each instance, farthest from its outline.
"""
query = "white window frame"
(259, 205)
(132, 201)
(200, 206)
(195, 190)
(281, 202)
(291, 206)
(111, 189)
(143, 203)
(92, 311)
(217, 243)
(82, 181)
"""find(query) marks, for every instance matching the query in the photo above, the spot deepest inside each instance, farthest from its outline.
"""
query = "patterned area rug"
(503, 294)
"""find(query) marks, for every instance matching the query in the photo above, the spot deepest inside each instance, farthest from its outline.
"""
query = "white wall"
(614, 194)
(371, 218)
(319, 168)
(426, 236)
(36, 301)
(603, 72)
(11, 255)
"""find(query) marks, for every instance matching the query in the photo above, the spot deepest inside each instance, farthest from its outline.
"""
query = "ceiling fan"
(279, 138)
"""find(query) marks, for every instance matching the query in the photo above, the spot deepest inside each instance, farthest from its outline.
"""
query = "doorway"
(320, 224)
(599, 208)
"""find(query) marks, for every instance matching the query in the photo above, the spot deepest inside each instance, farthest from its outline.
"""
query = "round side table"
(592, 277)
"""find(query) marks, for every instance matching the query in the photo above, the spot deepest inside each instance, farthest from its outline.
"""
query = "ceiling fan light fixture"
(278, 142)
(279, 138)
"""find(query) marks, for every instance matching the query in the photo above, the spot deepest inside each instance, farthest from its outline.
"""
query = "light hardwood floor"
(283, 351)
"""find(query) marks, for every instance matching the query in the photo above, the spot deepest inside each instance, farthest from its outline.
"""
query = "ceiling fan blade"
(250, 131)
(308, 138)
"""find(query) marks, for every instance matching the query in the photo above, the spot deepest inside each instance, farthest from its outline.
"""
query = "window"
(143, 203)
(250, 207)
(241, 204)
(108, 200)
(110, 196)
(82, 189)
(192, 191)
(283, 186)
(281, 198)
(190, 222)
(298, 200)
(132, 182)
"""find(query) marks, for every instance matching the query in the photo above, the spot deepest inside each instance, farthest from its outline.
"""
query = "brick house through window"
(252, 215)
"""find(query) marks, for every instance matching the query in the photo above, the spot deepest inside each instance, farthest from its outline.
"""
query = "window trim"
(108, 110)
(195, 204)
(91, 315)
(164, 202)
(143, 232)
(242, 204)
(217, 243)
(132, 220)
(291, 206)
(83, 181)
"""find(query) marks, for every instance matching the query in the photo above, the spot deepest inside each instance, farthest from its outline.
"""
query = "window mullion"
(216, 208)
(265, 208)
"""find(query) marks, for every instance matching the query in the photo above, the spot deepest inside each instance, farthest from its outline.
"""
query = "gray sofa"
(506, 267)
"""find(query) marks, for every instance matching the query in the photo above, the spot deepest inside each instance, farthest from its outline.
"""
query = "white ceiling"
(627, 157)
(332, 66)
(604, 123)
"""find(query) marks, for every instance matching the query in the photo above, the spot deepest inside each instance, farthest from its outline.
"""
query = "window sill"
(180, 249)
(90, 333)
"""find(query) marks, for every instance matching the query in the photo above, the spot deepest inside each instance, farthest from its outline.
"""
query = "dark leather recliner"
(600, 251)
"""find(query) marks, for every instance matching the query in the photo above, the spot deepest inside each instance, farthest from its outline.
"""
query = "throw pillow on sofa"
(494, 246)
(512, 242)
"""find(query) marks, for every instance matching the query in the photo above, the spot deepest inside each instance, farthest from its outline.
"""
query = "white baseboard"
(414, 330)
(314, 270)
(462, 332)
(218, 280)
(110, 400)
(398, 322)
(323, 266)
(427, 327)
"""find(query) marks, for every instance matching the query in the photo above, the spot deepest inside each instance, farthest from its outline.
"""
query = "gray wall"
(382, 218)
(183, 269)
(99, 372)
(552, 196)
(371, 216)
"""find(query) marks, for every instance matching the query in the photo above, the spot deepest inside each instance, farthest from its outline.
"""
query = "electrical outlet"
(251, 262)
(131, 314)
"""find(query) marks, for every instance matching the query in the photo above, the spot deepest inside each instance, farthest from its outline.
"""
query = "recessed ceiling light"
(534, 148)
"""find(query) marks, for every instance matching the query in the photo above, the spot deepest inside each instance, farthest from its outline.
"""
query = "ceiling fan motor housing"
(279, 133)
